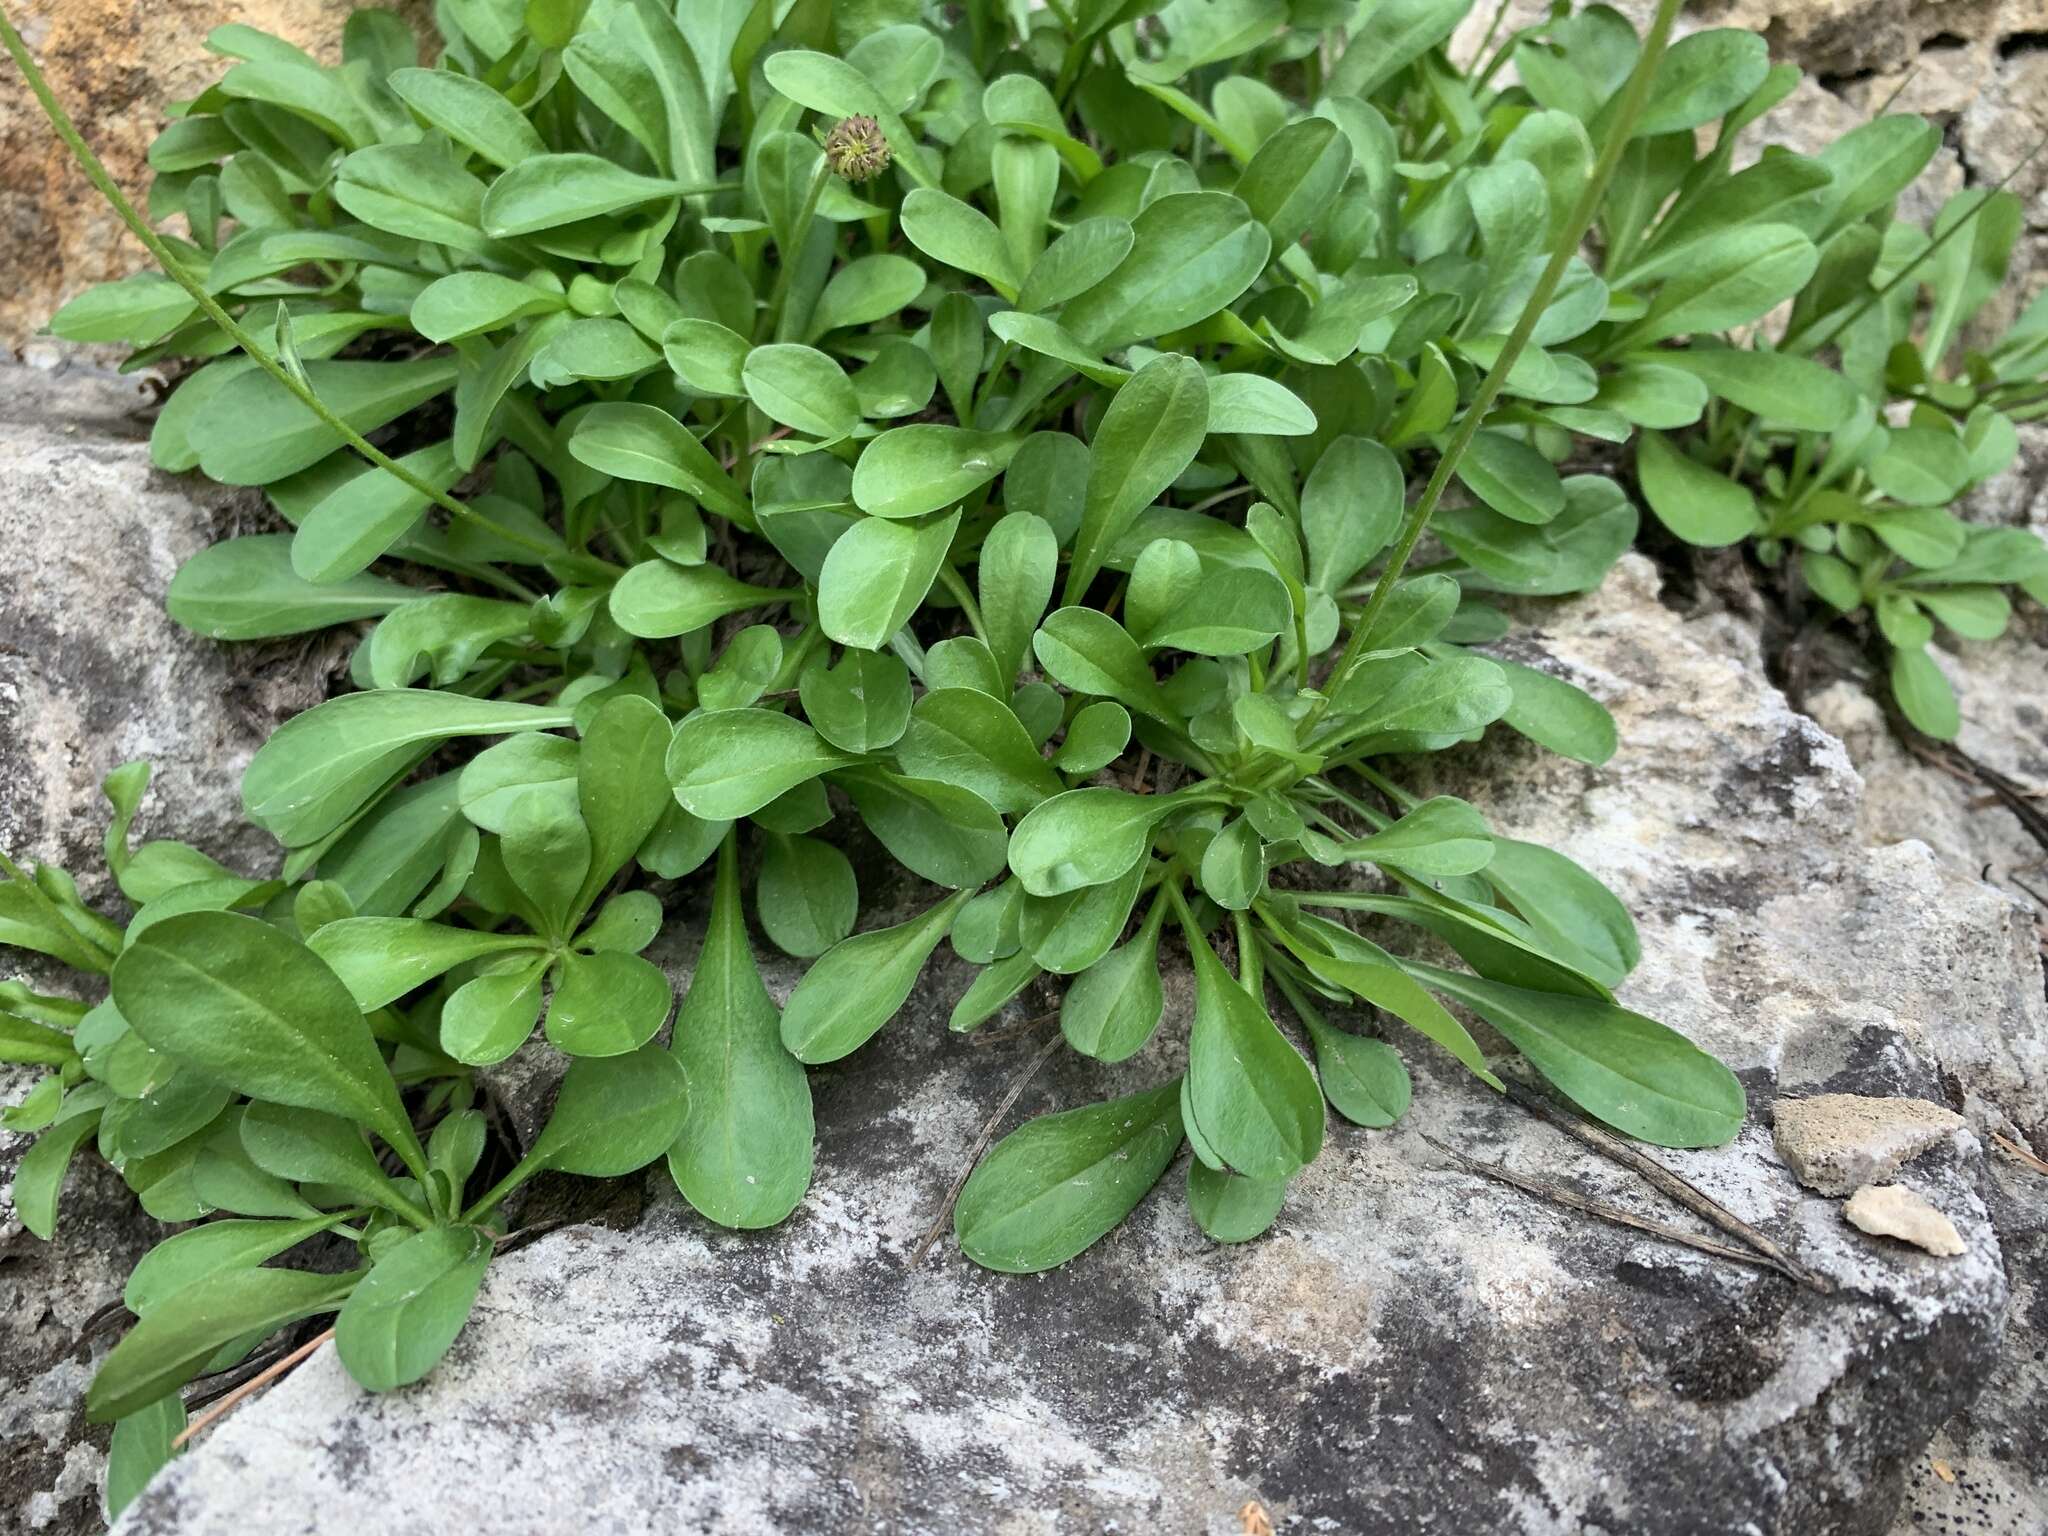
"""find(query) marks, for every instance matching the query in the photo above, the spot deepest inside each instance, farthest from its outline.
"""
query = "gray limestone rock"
(2001, 690)
(92, 674)
(50, 1462)
(1986, 1472)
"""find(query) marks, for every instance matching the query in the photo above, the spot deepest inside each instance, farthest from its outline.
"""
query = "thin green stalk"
(989, 380)
(951, 580)
(1750, 429)
(909, 652)
(491, 576)
(1327, 823)
(96, 173)
(1249, 976)
(1634, 96)
(1070, 69)
(1897, 91)
(1182, 913)
(1500, 14)
(495, 1196)
(785, 271)
(1798, 343)
(417, 1215)
(1402, 800)
(1288, 974)
(1303, 656)
(1506, 51)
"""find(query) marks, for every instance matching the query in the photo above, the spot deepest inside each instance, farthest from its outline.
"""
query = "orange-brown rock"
(113, 63)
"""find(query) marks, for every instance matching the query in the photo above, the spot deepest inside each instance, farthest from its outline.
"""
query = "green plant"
(232, 1073)
(759, 376)
(1843, 480)
(1834, 440)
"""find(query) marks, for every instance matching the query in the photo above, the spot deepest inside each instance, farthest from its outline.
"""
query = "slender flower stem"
(778, 304)
(1628, 111)
(165, 257)
(1800, 343)
(951, 580)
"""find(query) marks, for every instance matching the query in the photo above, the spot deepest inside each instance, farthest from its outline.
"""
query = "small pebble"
(1892, 1210)
(1836, 1142)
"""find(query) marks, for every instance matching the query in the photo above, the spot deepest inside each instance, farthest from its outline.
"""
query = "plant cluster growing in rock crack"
(991, 424)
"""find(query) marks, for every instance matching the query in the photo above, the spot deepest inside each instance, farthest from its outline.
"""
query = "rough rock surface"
(2005, 727)
(50, 1464)
(1838, 1142)
(1744, 821)
(1411, 1348)
(92, 674)
(1986, 1472)
(114, 64)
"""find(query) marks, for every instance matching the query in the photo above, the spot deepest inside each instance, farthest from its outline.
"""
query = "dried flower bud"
(856, 149)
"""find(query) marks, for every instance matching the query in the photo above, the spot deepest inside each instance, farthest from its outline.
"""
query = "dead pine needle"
(1679, 1189)
(1003, 1034)
(988, 1134)
(2019, 1153)
(254, 1384)
(1574, 1201)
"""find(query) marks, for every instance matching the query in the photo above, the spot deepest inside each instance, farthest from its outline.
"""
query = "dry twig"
(2013, 1149)
(1573, 1200)
(254, 1384)
(2010, 793)
(1003, 1034)
(1681, 1190)
(988, 1134)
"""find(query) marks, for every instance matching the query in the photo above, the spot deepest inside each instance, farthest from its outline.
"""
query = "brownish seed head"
(856, 149)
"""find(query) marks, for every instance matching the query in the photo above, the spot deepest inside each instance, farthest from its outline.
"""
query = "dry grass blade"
(1573, 1200)
(255, 1383)
(988, 1134)
(1683, 1191)
(2019, 1153)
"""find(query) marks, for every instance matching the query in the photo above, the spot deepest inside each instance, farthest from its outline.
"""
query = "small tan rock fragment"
(1836, 1142)
(1892, 1210)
